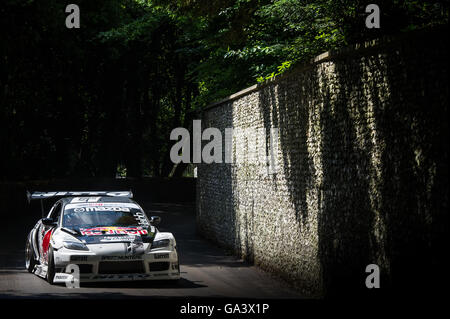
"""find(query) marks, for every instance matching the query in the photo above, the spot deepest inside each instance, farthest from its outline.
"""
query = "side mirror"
(48, 222)
(155, 220)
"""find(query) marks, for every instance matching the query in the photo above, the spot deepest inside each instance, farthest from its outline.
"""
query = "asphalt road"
(206, 270)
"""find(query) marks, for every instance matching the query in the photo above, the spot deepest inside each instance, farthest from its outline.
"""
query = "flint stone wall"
(362, 168)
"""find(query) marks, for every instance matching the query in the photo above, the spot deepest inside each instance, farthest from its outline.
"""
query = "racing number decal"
(46, 243)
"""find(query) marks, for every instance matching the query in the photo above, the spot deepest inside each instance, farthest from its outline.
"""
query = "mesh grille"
(121, 267)
(85, 268)
(159, 266)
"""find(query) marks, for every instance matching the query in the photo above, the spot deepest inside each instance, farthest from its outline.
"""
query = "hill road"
(206, 270)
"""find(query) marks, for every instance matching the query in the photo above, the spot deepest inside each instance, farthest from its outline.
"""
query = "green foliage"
(281, 69)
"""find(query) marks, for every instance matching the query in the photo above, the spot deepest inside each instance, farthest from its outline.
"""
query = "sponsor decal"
(140, 217)
(84, 205)
(96, 231)
(135, 247)
(130, 257)
(123, 238)
(40, 195)
(161, 256)
(78, 258)
(85, 199)
(101, 209)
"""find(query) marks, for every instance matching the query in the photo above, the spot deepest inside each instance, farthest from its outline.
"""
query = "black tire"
(50, 267)
(30, 262)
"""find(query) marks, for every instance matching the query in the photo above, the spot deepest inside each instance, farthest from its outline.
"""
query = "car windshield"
(94, 216)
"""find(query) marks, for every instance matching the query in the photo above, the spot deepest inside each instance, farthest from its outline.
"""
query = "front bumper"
(154, 265)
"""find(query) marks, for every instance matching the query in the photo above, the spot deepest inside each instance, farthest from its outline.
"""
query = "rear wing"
(45, 195)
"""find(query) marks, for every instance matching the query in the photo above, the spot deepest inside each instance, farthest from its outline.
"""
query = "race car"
(105, 234)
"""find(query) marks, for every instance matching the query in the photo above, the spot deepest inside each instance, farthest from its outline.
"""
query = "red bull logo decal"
(113, 231)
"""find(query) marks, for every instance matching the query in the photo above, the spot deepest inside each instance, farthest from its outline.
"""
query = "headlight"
(75, 245)
(160, 243)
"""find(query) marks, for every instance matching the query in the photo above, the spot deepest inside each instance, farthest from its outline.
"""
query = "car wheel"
(30, 262)
(50, 267)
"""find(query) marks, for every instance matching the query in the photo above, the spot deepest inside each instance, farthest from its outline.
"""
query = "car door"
(45, 231)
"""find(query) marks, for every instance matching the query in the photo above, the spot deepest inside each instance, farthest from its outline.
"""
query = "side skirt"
(40, 270)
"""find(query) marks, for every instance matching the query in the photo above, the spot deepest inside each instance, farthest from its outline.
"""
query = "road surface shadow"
(193, 250)
(159, 284)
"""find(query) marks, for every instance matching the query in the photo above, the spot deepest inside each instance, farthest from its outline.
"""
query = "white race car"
(105, 234)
